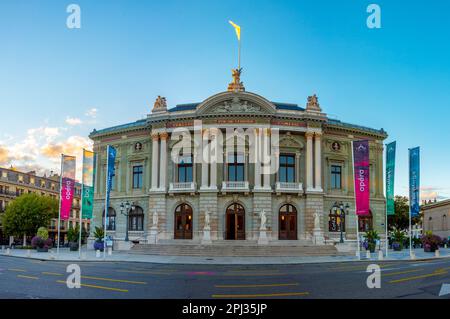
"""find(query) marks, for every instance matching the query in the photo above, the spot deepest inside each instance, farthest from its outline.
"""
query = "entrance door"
(235, 222)
(287, 223)
(183, 222)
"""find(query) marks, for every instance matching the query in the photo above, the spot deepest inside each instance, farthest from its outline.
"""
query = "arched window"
(111, 222)
(365, 222)
(183, 222)
(136, 219)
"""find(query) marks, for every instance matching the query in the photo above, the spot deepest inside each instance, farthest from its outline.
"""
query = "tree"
(27, 213)
(400, 220)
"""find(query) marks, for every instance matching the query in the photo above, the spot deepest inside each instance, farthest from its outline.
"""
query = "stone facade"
(314, 142)
(436, 216)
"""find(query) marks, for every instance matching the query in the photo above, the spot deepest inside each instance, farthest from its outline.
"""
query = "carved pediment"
(236, 106)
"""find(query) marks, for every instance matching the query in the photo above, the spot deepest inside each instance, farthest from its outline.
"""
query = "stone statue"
(160, 104)
(155, 219)
(313, 104)
(207, 223)
(263, 220)
(236, 85)
(316, 220)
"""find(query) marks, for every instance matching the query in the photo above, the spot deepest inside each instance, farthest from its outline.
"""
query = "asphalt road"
(23, 279)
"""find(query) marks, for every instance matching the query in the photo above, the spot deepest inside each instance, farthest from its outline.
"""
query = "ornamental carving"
(237, 106)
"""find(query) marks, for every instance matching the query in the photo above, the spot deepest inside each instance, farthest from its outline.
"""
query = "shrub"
(37, 242)
(99, 234)
(43, 233)
(431, 242)
(73, 235)
(48, 243)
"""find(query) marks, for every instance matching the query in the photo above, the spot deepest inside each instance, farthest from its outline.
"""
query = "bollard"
(412, 255)
(97, 253)
(28, 253)
(368, 254)
(437, 253)
(109, 251)
(52, 255)
(3, 248)
(380, 255)
(445, 246)
(83, 256)
(8, 251)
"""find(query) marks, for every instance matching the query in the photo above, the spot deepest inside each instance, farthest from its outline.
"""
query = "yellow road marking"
(252, 271)
(401, 272)
(51, 273)
(28, 277)
(438, 272)
(115, 280)
(288, 294)
(255, 286)
(362, 267)
(16, 269)
(144, 272)
(253, 275)
(97, 287)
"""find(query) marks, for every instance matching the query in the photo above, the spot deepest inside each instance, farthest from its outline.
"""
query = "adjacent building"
(301, 200)
(436, 217)
(14, 183)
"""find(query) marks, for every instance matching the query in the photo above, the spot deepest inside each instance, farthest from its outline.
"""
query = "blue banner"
(414, 181)
(390, 173)
(110, 172)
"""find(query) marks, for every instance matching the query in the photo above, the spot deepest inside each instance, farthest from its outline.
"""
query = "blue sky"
(57, 84)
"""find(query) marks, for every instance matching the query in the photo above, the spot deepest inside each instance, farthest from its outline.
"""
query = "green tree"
(400, 220)
(27, 213)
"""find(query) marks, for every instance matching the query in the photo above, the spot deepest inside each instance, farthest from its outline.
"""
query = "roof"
(441, 203)
(193, 106)
(354, 126)
(137, 124)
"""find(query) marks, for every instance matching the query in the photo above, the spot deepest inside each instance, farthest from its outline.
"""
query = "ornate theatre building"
(308, 198)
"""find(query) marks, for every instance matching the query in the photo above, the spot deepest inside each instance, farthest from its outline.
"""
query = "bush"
(99, 234)
(37, 242)
(73, 235)
(430, 242)
(43, 233)
(48, 243)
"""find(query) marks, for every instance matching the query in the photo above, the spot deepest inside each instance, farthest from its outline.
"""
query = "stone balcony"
(230, 186)
(284, 187)
(186, 187)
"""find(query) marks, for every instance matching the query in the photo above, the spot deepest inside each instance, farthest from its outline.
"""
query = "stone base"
(123, 245)
(318, 237)
(206, 240)
(345, 247)
(153, 237)
(263, 240)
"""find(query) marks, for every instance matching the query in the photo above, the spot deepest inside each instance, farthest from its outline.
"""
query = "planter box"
(73, 246)
(42, 250)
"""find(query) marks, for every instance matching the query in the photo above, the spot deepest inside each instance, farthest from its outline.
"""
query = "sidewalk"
(123, 256)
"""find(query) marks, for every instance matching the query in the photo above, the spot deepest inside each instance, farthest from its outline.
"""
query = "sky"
(58, 84)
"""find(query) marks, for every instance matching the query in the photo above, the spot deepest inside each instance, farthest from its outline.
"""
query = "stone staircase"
(236, 249)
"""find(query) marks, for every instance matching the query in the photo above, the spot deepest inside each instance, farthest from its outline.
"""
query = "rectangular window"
(236, 167)
(287, 169)
(138, 172)
(185, 167)
(336, 177)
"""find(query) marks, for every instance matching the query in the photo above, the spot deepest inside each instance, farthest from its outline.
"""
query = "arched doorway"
(183, 222)
(235, 222)
(287, 223)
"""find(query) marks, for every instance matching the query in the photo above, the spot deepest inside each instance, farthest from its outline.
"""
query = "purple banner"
(67, 185)
(361, 178)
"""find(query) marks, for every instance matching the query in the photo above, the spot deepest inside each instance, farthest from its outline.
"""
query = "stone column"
(297, 167)
(155, 148)
(257, 151)
(267, 152)
(318, 162)
(204, 160)
(163, 161)
(309, 161)
(214, 160)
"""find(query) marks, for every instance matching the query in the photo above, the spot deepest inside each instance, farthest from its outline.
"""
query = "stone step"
(234, 250)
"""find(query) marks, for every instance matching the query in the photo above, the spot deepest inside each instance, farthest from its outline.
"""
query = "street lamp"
(125, 207)
(342, 212)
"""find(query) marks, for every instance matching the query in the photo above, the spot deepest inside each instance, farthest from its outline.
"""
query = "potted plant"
(430, 242)
(398, 237)
(41, 242)
(371, 238)
(99, 235)
(73, 236)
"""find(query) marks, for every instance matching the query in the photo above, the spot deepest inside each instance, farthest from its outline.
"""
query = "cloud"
(4, 155)
(72, 121)
(72, 145)
(431, 193)
(92, 113)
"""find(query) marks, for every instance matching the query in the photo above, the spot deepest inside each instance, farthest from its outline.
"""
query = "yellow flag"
(237, 28)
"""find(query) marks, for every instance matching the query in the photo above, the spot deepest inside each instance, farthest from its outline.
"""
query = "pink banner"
(67, 185)
(362, 182)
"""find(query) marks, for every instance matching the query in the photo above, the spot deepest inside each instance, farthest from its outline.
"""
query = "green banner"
(88, 184)
(390, 173)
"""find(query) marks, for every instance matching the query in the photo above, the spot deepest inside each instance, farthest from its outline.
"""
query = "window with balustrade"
(286, 172)
(185, 169)
(235, 167)
(138, 173)
(336, 176)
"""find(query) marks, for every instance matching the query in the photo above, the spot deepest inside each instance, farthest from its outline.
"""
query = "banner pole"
(386, 190)
(358, 252)
(106, 202)
(81, 208)
(410, 199)
(60, 199)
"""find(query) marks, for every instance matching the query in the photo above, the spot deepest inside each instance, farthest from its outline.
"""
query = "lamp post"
(125, 207)
(342, 212)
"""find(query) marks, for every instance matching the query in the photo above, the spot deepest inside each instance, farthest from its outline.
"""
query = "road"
(24, 278)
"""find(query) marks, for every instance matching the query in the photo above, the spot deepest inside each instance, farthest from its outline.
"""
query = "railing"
(182, 187)
(8, 193)
(235, 186)
(285, 187)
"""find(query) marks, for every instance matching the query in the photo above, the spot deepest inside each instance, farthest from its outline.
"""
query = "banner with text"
(414, 181)
(390, 174)
(111, 153)
(361, 177)
(88, 184)
(67, 186)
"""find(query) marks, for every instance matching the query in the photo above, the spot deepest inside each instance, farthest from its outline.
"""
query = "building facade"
(14, 183)
(436, 217)
(309, 179)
